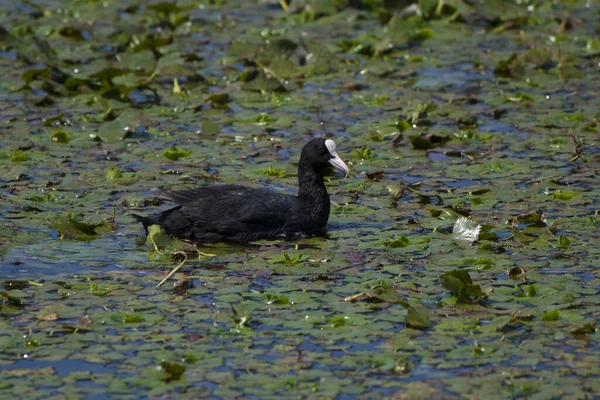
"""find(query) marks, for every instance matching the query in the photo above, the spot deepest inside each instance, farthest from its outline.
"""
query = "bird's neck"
(311, 188)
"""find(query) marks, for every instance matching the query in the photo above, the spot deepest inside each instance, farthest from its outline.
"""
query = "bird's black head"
(321, 153)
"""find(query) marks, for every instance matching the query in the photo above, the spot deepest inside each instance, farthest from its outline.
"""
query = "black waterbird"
(243, 214)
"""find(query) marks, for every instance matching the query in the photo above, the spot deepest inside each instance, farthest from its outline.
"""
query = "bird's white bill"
(336, 161)
(338, 164)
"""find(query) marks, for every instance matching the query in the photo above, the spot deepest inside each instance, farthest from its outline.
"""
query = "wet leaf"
(587, 329)
(512, 67)
(113, 174)
(276, 298)
(19, 157)
(70, 226)
(516, 273)
(423, 34)
(48, 317)
(518, 97)
(60, 137)
(459, 284)
(138, 44)
(400, 124)
(402, 241)
(174, 370)
(161, 242)
(258, 81)
(210, 128)
(272, 171)
(174, 153)
(35, 73)
(219, 99)
(564, 195)
(364, 153)
(418, 316)
(429, 141)
(375, 176)
(563, 242)
(127, 318)
(10, 299)
(553, 315)
(396, 192)
(241, 316)
(287, 259)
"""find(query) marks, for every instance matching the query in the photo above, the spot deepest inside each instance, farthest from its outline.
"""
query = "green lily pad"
(174, 153)
(459, 284)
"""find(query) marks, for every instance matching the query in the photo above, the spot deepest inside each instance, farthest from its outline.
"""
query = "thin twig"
(174, 269)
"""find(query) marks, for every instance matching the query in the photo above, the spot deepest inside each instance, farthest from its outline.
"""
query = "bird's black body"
(242, 214)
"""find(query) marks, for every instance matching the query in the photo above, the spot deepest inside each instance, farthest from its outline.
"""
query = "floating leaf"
(375, 176)
(10, 299)
(165, 7)
(587, 329)
(400, 125)
(218, 99)
(162, 242)
(120, 128)
(512, 67)
(286, 259)
(423, 34)
(592, 45)
(518, 97)
(428, 141)
(563, 242)
(272, 171)
(48, 121)
(127, 318)
(277, 298)
(418, 316)
(173, 153)
(459, 283)
(564, 195)
(402, 241)
(419, 112)
(72, 32)
(396, 192)
(70, 227)
(516, 273)
(553, 315)
(60, 137)
(365, 153)
(482, 263)
(34, 73)
(337, 321)
(258, 81)
(241, 316)
(18, 157)
(383, 291)
(138, 44)
(113, 174)
(48, 317)
(174, 370)
(209, 127)
(264, 119)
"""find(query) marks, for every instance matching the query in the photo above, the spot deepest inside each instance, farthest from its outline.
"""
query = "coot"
(243, 214)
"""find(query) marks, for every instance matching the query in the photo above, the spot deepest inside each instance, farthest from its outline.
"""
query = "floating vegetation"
(462, 253)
